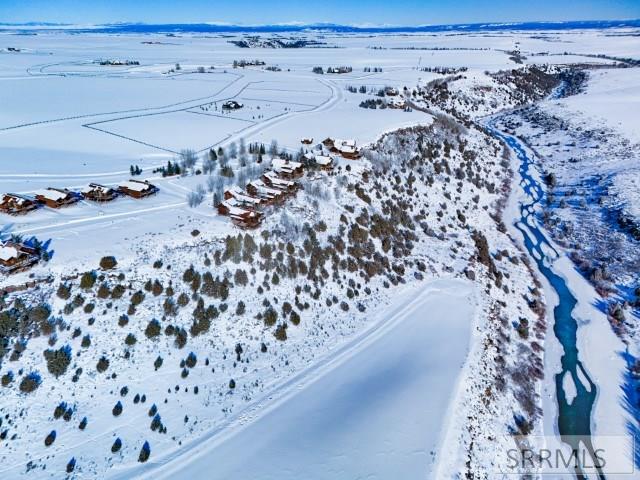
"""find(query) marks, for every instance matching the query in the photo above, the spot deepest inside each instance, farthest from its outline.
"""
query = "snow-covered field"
(377, 409)
(395, 365)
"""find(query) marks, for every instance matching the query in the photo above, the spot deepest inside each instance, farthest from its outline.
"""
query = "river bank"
(583, 361)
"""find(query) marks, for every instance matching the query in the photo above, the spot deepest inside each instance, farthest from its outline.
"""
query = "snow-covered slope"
(202, 330)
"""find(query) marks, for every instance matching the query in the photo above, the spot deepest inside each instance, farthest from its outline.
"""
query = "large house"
(239, 216)
(269, 195)
(99, 193)
(272, 180)
(346, 148)
(138, 188)
(286, 168)
(324, 162)
(245, 201)
(15, 257)
(56, 197)
(15, 204)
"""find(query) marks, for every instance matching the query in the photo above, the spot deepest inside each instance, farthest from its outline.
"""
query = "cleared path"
(375, 411)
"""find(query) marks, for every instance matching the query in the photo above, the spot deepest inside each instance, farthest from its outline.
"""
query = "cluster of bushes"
(373, 103)
(58, 360)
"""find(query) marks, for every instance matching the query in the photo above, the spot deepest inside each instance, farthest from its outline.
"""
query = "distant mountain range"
(316, 27)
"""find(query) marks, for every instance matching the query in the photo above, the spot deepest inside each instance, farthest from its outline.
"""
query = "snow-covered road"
(377, 409)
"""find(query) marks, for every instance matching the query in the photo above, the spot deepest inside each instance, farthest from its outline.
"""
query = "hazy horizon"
(344, 12)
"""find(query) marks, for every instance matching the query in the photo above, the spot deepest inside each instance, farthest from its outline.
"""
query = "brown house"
(99, 193)
(346, 148)
(273, 180)
(329, 142)
(287, 169)
(138, 188)
(15, 257)
(56, 197)
(245, 201)
(239, 216)
(324, 162)
(15, 204)
(257, 188)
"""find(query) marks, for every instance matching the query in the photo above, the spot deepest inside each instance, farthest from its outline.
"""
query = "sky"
(251, 12)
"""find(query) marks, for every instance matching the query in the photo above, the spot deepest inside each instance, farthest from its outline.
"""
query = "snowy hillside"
(383, 316)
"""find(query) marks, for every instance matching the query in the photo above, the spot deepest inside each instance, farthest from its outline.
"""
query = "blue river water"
(574, 414)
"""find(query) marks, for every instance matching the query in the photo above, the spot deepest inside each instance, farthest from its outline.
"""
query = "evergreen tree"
(145, 452)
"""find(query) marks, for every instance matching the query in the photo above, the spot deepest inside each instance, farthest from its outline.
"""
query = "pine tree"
(145, 452)
(117, 445)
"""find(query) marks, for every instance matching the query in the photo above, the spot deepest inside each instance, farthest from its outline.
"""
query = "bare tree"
(188, 159)
(211, 183)
(233, 150)
(273, 148)
(195, 197)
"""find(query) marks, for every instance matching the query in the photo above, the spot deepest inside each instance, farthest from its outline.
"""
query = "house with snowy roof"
(56, 197)
(244, 200)
(99, 193)
(286, 168)
(239, 216)
(138, 188)
(16, 204)
(324, 162)
(345, 147)
(273, 180)
(257, 188)
(15, 257)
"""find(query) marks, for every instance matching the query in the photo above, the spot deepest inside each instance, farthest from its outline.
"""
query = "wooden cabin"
(269, 195)
(56, 197)
(239, 216)
(273, 180)
(244, 200)
(251, 221)
(287, 169)
(329, 142)
(349, 152)
(346, 148)
(99, 193)
(15, 204)
(138, 188)
(15, 257)
(324, 162)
